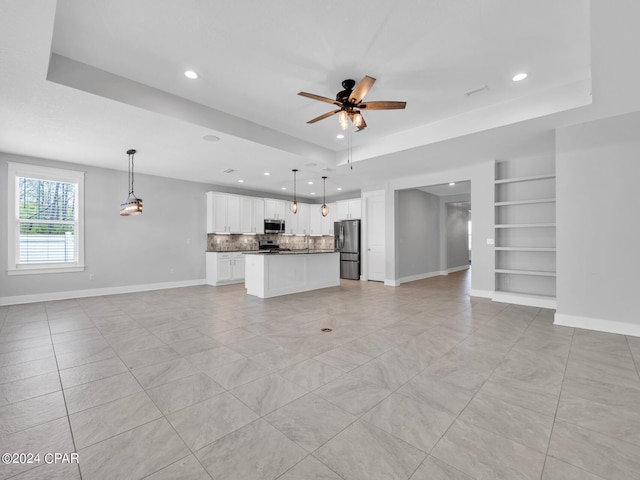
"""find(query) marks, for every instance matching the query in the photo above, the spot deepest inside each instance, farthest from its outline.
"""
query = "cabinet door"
(327, 222)
(279, 207)
(355, 208)
(291, 220)
(303, 219)
(219, 213)
(258, 215)
(342, 210)
(246, 215)
(224, 268)
(233, 214)
(237, 266)
(315, 220)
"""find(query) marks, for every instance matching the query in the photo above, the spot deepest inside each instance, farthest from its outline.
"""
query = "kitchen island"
(270, 274)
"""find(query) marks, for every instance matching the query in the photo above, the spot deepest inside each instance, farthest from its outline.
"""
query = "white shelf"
(525, 202)
(536, 273)
(524, 179)
(526, 225)
(524, 299)
(526, 249)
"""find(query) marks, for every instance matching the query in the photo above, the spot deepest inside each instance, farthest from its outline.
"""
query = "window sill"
(38, 269)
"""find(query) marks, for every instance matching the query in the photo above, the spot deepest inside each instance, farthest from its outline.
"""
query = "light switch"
(489, 241)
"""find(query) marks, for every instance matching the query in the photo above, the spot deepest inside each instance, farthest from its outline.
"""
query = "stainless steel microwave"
(273, 226)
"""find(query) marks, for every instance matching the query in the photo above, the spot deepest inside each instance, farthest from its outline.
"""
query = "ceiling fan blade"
(383, 105)
(361, 89)
(320, 98)
(322, 117)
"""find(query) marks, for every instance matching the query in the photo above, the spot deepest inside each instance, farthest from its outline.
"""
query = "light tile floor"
(415, 382)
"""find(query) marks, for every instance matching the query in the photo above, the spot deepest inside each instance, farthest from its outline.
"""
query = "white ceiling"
(116, 82)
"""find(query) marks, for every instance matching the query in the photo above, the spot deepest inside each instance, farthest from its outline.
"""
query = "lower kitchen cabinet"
(224, 268)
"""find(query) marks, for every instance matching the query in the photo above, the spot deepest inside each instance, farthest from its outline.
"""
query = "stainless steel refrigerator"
(347, 241)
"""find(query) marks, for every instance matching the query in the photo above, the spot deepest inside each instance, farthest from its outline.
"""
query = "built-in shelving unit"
(525, 232)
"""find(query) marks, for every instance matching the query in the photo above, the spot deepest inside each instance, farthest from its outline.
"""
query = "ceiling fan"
(350, 102)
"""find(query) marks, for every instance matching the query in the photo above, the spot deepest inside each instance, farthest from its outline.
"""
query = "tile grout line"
(555, 414)
(64, 397)
(476, 393)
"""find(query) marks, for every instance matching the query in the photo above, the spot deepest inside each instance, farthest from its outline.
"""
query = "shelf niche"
(525, 233)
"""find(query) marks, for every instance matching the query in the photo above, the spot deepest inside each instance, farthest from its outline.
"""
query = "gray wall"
(164, 244)
(418, 233)
(598, 170)
(457, 234)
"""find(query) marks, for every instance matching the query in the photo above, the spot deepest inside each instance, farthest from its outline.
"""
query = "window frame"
(16, 170)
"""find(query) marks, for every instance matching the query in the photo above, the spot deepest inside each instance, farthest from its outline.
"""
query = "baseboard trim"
(421, 276)
(95, 292)
(523, 299)
(457, 269)
(391, 283)
(597, 324)
(481, 293)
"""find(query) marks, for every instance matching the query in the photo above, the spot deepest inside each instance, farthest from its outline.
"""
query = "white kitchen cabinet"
(303, 219)
(224, 268)
(297, 223)
(274, 209)
(348, 209)
(258, 215)
(319, 225)
(327, 222)
(223, 213)
(315, 220)
(246, 215)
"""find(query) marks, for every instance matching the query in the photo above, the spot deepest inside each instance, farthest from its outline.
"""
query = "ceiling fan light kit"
(350, 101)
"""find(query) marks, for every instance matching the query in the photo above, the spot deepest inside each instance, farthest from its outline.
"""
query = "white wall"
(418, 225)
(598, 207)
(457, 235)
(162, 247)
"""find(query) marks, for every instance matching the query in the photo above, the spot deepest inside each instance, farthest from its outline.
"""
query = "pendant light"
(325, 209)
(132, 205)
(294, 205)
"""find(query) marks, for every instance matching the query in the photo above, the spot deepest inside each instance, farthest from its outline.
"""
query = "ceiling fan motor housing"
(348, 85)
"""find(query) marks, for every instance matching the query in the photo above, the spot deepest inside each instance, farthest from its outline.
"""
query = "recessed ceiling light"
(339, 188)
(519, 76)
(310, 183)
(451, 184)
(190, 74)
(267, 173)
(313, 193)
(211, 138)
(340, 136)
(283, 188)
(240, 181)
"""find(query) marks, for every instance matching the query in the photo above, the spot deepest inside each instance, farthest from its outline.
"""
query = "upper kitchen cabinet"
(223, 213)
(297, 223)
(258, 215)
(319, 225)
(348, 209)
(274, 209)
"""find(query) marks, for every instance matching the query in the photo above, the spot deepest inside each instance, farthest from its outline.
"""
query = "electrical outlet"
(490, 241)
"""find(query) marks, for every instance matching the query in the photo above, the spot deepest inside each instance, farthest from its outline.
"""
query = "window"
(46, 233)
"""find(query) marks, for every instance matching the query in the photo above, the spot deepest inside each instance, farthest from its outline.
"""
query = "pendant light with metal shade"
(132, 205)
(324, 209)
(294, 204)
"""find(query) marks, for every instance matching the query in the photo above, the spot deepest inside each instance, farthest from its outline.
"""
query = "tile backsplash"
(226, 243)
